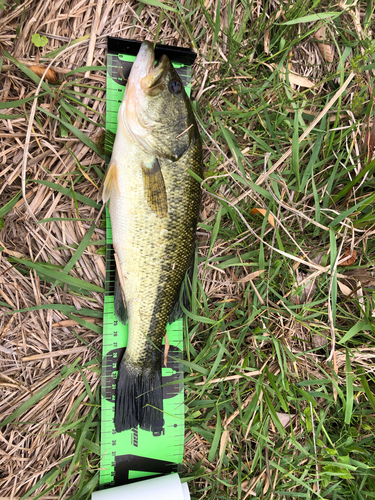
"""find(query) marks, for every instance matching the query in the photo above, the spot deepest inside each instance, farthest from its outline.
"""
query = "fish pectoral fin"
(154, 186)
(110, 181)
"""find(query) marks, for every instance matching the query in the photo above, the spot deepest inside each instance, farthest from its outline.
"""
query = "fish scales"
(154, 252)
(154, 205)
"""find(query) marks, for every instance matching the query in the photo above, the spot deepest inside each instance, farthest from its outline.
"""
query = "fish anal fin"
(110, 181)
(186, 287)
(154, 186)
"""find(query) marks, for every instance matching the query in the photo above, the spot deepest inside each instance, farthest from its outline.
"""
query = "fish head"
(156, 110)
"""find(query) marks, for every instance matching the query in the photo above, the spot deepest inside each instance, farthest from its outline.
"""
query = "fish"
(154, 206)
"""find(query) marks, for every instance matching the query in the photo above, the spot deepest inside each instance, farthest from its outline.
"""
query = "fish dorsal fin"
(110, 181)
(154, 186)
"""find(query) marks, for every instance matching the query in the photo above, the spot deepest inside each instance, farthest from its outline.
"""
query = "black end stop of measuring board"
(131, 47)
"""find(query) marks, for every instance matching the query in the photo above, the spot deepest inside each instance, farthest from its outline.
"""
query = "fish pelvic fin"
(154, 186)
(139, 398)
(120, 302)
(110, 181)
(120, 307)
(109, 140)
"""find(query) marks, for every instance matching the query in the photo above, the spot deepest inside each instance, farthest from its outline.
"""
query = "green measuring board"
(131, 455)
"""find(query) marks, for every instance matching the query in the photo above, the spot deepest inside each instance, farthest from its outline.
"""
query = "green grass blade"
(63, 219)
(161, 5)
(40, 394)
(78, 253)
(295, 149)
(33, 76)
(54, 53)
(86, 324)
(19, 102)
(312, 17)
(81, 248)
(360, 326)
(9, 206)
(215, 231)
(355, 181)
(59, 276)
(217, 361)
(78, 133)
(216, 439)
(362, 204)
(78, 448)
(83, 69)
(68, 192)
(274, 416)
(46, 479)
(349, 389)
(366, 388)
(11, 117)
(66, 309)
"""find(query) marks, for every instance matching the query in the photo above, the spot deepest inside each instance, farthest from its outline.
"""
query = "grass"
(302, 425)
(280, 335)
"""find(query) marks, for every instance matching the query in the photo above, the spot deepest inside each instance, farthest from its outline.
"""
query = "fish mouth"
(145, 76)
(144, 73)
(154, 80)
(143, 64)
(145, 81)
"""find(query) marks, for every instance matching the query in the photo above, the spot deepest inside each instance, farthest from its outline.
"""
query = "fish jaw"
(129, 116)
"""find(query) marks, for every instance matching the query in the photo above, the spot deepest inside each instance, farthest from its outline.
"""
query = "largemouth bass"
(154, 204)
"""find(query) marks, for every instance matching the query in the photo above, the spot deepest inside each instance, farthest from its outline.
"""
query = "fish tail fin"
(139, 398)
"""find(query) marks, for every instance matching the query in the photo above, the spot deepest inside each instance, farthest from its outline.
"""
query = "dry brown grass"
(29, 451)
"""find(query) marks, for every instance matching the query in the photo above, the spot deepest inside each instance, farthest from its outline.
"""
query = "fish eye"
(175, 86)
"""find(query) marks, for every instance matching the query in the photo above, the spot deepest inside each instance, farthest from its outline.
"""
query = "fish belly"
(139, 242)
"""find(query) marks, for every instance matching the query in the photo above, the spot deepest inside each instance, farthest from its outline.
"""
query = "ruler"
(132, 455)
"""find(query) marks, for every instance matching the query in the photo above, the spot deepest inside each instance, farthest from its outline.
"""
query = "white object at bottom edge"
(159, 488)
